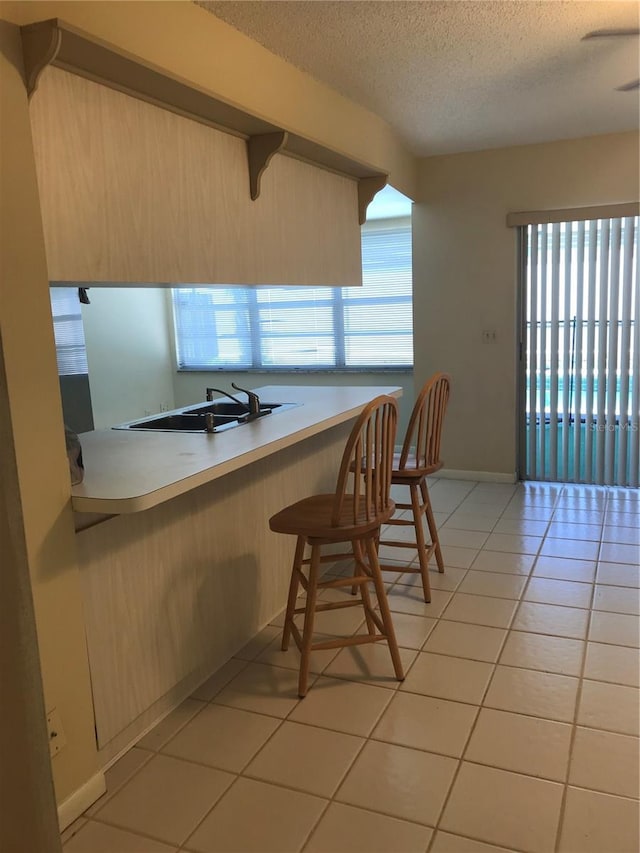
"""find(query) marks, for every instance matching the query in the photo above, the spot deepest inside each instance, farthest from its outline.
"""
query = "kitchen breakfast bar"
(179, 569)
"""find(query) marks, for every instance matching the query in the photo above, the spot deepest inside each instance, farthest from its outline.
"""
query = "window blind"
(306, 328)
(582, 351)
(68, 331)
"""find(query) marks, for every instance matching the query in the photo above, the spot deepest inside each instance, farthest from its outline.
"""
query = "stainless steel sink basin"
(206, 417)
(221, 407)
(183, 423)
(237, 410)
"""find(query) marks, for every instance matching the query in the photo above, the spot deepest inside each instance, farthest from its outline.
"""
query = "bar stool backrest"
(369, 450)
(421, 447)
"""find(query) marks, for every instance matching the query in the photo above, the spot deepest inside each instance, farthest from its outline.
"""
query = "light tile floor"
(516, 727)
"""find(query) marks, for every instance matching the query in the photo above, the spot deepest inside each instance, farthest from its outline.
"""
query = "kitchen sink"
(221, 407)
(206, 417)
(183, 423)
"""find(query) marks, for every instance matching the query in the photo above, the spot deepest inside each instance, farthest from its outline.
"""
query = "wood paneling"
(57, 43)
(183, 586)
(131, 192)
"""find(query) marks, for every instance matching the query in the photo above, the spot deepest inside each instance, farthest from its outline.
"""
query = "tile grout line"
(330, 799)
(239, 774)
(367, 739)
(139, 833)
(394, 692)
(152, 752)
(475, 723)
(459, 759)
(157, 752)
(342, 778)
(468, 740)
(576, 712)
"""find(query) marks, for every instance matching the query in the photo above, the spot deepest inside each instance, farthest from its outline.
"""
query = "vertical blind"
(582, 351)
(288, 328)
(68, 331)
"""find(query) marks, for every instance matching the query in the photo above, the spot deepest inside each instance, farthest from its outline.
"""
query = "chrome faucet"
(211, 391)
(252, 406)
(254, 400)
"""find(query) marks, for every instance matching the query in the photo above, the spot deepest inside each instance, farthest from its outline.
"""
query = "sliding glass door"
(580, 352)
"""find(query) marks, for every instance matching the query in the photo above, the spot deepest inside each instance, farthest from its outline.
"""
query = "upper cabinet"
(138, 183)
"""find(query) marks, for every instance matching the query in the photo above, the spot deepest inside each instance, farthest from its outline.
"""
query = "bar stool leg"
(364, 592)
(354, 546)
(422, 547)
(433, 530)
(309, 616)
(383, 604)
(293, 591)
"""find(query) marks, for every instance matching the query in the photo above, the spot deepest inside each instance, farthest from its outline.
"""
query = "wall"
(130, 358)
(231, 66)
(465, 268)
(32, 394)
(29, 821)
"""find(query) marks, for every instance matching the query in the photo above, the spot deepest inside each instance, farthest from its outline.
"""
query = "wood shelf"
(54, 42)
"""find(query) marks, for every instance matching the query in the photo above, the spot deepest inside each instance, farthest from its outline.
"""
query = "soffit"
(460, 76)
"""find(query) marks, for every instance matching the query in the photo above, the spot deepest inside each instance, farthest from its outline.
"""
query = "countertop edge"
(83, 503)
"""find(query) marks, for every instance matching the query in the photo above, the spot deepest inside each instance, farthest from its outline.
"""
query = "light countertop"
(129, 471)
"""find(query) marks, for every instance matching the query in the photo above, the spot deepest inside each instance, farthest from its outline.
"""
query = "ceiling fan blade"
(595, 34)
(629, 87)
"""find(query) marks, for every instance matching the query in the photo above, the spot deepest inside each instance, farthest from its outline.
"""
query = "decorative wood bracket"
(53, 42)
(40, 46)
(367, 188)
(260, 150)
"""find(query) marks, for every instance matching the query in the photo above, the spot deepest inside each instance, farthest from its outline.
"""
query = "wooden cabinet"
(145, 179)
(131, 192)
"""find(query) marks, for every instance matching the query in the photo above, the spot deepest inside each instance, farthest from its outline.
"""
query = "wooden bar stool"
(420, 457)
(353, 514)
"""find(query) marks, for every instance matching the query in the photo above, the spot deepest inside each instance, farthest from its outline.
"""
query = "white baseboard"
(80, 800)
(477, 476)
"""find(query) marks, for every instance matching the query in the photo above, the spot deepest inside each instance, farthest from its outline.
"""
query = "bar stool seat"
(313, 517)
(353, 514)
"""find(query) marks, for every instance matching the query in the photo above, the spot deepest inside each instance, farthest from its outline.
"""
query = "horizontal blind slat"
(68, 331)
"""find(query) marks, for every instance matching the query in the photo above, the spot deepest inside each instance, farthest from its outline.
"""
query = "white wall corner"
(80, 800)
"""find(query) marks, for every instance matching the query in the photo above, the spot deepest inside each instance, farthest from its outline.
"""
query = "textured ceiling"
(463, 75)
